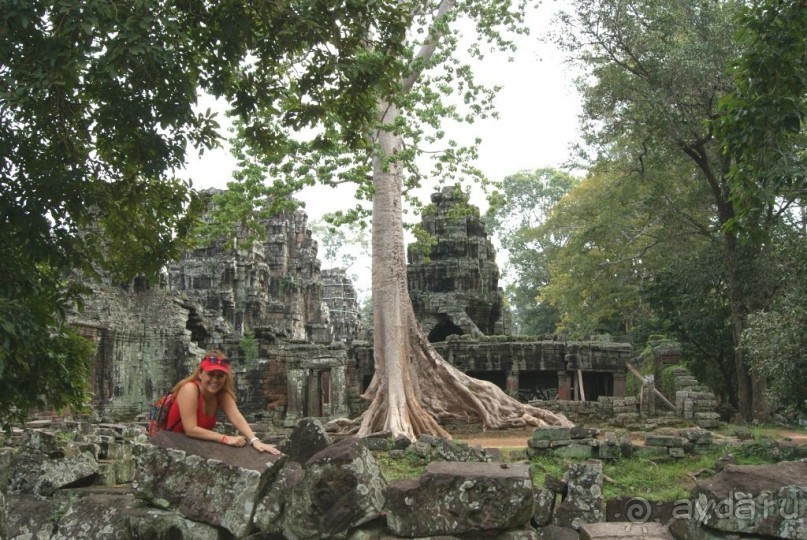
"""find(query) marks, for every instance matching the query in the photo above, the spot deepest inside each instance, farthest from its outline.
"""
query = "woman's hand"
(238, 442)
(264, 447)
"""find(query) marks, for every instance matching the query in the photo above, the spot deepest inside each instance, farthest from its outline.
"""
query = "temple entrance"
(318, 402)
(443, 329)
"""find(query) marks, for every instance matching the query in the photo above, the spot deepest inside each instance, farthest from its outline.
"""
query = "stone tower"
(455, 286)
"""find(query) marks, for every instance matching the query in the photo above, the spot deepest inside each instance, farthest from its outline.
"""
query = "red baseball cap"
(216, 363)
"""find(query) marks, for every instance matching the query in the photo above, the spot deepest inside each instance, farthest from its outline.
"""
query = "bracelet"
(224, 439)
(252, 441)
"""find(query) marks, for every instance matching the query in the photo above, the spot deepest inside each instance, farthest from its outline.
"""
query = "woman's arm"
(237, 419)
(188, 403)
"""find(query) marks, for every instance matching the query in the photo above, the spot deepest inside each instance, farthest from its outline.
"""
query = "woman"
(200, 395)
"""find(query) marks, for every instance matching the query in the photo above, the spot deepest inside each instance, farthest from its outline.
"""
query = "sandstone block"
(461, 498)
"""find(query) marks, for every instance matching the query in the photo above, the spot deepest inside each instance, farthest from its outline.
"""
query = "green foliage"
(604, 253)
(655, 73)
(690, 295)
(413, 69)
(249, 346)
(668, 376)
(423, 245)
(635, 477)
(760, 123)
(513, 215)
(43, 362)
(97, 109)
(775, 338)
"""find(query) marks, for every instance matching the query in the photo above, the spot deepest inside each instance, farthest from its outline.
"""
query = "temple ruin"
(456, 297)
(296, 337)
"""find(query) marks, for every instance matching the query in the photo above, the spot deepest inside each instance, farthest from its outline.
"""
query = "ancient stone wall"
(273, 288)
(455, 286)
(142, 345)
(521, 366)
(147, 339)
(339, 294)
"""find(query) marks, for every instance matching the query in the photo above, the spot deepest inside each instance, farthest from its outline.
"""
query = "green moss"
(668, 376)
(395, 468)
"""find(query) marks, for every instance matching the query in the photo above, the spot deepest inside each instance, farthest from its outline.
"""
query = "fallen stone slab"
(764, 500)
(584, 501)
(457, 498)
(338, 489)
(555, 532)
(308, 438)
(34, 473)
(204, 481)
(617, 531)
(98, 513)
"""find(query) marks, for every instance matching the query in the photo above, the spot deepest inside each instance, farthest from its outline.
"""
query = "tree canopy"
(521, 204)
(98, 105)
(693, 122)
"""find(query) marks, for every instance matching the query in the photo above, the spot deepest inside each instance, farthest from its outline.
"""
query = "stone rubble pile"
(59, 485)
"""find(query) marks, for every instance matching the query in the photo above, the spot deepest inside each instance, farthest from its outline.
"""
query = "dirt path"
(497, 439)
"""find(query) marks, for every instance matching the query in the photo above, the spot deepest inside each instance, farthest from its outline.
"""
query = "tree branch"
(429, 46)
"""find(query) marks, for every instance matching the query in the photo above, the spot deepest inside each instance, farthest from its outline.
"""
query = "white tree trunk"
(413, 386)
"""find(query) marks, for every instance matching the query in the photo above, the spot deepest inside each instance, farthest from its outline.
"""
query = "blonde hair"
(229, 383)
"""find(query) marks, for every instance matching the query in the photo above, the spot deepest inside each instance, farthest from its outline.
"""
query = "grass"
(407, 467)
(758, 430)
(666, 480)
(658, 480)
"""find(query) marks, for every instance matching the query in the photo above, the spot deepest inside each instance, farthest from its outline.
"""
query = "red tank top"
(202, 420)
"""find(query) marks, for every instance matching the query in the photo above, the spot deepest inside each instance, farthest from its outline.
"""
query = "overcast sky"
(537, 123)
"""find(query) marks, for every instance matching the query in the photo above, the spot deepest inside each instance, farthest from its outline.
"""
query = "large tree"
(413, 387)
(97, 108)
(656, 73)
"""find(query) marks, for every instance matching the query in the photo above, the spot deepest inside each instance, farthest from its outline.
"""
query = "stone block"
(584, 499)
(558, 444)
(461, 498)
(339, 488)
(609, 450)
(34, 473)
(579, 432)
(543, 506)
(575, 451)
(650, 452)
(760, 500)
(698, 435)
(676, 452)
(616, 531)
(551, 433)
(540, 445)
(663, 440)
(204, 481)
(307, 438)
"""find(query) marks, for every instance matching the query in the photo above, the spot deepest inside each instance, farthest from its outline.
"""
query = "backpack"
(158, 416)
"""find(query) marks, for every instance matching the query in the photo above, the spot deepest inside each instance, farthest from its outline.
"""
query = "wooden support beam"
(659, 394)
(580, 384)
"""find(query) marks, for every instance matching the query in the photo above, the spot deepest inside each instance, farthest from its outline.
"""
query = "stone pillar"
(564, 385)
(647, 397)
(314, 393)
(619, 384)
(295, 394)
(339, 392)
(512, 384)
